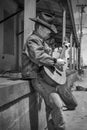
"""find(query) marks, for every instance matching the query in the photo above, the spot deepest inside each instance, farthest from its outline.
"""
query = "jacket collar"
(35, 33)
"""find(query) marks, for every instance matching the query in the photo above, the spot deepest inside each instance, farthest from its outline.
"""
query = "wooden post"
(71, 36)
(74, 56)
(29, 12)
(64, 25)
(77, 58)
(82, 6)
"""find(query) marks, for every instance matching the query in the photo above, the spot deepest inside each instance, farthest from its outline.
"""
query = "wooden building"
(19, 107)
(15, 26)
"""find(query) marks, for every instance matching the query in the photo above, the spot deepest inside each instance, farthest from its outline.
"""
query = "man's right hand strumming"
(60, 61)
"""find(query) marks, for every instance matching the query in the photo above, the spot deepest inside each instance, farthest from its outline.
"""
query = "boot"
(51, 125)
(62, 127)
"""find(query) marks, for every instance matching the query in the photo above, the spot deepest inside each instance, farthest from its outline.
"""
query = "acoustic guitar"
(55, 75)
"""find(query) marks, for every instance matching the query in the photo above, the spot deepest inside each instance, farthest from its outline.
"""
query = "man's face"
(44, 32)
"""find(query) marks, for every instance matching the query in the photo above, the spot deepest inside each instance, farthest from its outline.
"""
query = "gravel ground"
(77, 119)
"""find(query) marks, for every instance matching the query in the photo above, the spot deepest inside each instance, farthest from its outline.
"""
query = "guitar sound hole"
(51, 68)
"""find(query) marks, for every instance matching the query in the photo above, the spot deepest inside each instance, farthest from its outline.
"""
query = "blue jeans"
(52, 96)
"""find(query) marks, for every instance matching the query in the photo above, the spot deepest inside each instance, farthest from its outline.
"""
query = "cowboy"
(36, 54)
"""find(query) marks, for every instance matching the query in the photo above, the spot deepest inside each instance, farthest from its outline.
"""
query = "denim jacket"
(36, 53)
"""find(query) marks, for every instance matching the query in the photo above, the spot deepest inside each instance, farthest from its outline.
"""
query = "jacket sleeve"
(38, 55)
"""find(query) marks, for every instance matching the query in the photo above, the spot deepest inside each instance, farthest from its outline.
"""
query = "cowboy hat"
(46, 20)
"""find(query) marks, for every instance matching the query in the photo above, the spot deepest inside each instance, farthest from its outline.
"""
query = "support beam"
(72, 20)
(29, 12)
(77, 58)
(80, 38)
(64, 25)
(74, 56)
(71, 40)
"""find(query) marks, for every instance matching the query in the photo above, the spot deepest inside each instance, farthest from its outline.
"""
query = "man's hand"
(67, 44)
(60, 61)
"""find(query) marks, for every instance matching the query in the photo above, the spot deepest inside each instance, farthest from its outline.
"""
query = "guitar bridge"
(58, 73)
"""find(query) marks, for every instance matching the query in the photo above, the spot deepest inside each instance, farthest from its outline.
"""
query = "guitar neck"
(62, 55)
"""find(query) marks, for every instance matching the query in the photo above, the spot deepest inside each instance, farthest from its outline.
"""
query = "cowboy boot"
(51, 125)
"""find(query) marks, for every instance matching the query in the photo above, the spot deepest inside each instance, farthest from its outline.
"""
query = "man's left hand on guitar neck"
(66, 44)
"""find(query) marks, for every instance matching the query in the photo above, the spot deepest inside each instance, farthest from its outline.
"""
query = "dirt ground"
(77, 119)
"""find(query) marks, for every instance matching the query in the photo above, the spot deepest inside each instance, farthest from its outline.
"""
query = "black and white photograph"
(43, 64)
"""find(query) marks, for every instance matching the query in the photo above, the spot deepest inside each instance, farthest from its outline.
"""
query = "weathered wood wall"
(20, 107)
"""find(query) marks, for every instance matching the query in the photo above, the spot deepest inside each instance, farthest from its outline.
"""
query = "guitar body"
(54, 77)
